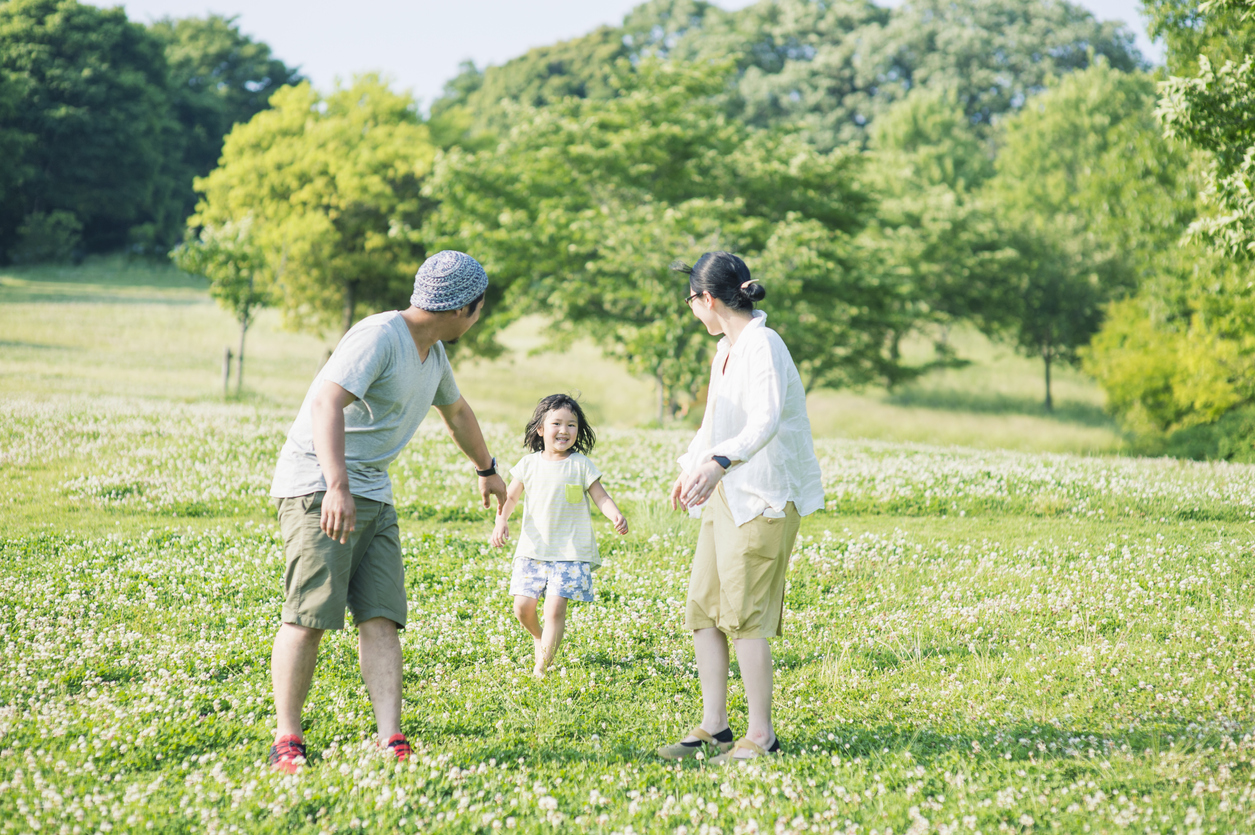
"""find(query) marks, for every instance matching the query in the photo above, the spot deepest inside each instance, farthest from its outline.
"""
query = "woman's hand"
(700, 483)
(675, 492)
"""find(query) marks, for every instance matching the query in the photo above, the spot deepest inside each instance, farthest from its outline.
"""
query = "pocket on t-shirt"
(574, 493)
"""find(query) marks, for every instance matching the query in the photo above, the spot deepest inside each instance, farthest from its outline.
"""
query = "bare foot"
(538, 671)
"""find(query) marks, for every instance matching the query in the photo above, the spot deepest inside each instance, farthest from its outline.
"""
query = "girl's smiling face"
(559, 431)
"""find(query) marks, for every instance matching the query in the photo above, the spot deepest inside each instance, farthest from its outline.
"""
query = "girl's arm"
(607, 506)
(501, 530)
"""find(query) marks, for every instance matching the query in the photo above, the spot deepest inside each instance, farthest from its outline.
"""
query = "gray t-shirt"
(376, 361)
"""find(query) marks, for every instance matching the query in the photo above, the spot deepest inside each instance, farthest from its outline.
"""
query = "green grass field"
(977, 639)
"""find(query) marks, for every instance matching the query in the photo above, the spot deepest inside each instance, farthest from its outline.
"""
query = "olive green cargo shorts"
(322, 576)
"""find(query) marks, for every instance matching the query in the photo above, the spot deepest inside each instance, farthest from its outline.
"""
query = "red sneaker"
(400, 746)
(287, 754)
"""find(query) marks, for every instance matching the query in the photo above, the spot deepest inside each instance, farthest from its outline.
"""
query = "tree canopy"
(331, 185)
(828, 69)
(91, 120)
(218, 78)
(579, 211)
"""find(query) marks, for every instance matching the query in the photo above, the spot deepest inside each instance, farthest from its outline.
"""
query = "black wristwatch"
(492, 470)
(722, 460)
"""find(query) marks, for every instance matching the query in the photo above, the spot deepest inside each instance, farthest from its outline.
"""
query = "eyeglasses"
(689, 301)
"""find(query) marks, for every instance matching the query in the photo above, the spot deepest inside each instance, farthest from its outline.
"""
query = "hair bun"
(753, 291)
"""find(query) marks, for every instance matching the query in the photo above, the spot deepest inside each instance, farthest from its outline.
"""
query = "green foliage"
(236, 267)
(218, 77)
(1171, 365)
(1178, 361)
(332, 187)
(47, 237)
(1215, 112)
(578, 212)
(842, 65)
(1092, 196)
(582, 67)
(89, 108)
(828, 69)
(942, 247)
(931, 141)
(1220, 31)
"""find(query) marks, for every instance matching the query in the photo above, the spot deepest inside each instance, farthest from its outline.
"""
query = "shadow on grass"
(100, 280)
(955, 400)
(34, 345)
(1042, 743)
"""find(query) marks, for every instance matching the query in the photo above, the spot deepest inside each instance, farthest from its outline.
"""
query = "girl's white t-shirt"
(557, 523)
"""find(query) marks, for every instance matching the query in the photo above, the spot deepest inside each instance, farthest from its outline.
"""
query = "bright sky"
(419, 44)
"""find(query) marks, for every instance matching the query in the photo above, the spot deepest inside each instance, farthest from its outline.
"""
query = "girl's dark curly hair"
(534, 434)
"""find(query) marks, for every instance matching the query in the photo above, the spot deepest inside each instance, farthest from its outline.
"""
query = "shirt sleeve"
(591, 473)
(358, 360)
(447, 391)
(689, 459)
(520, 470)
(768, 381)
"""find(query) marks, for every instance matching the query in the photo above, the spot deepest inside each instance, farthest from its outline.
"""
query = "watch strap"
(492, 469)
(722, 460)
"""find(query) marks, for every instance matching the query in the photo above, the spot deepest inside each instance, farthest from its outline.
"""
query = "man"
(335, 500)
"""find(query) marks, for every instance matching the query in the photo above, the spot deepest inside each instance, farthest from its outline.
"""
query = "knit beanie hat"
(448, 280)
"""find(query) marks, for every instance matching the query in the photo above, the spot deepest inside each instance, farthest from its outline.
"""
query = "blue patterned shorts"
(535, 578)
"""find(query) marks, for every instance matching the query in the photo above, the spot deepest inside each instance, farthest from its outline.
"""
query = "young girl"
(556, 553)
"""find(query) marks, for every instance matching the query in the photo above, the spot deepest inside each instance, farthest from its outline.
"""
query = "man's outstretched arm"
(462, 424)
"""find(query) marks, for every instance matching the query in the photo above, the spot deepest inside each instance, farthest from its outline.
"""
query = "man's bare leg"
(379, 649)
(292, 671)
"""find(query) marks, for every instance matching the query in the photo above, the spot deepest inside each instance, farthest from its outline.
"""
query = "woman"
(750, 473)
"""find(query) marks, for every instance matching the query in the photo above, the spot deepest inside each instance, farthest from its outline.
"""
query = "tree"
(828, 69)
(218, 78)
(91, 116)
(578, 212)
(235, 265)
(1178, 360)
(1219, 31)
(1215, 112)
(932, 232)
(580, 67)
(1070, 194)
(332, 185)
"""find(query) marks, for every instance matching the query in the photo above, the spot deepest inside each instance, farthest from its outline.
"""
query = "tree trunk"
(226, 372)
(245, 320)
(662, 398)
(1050, 404)
(239, 376)
(350, 302)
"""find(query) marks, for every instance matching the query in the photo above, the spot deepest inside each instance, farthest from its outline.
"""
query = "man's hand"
(493, 485)
(339, 514)
(500, 533)
(699, 484)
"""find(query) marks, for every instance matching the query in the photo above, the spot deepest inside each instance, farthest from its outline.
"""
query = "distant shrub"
(48, 237)
(1232, 438)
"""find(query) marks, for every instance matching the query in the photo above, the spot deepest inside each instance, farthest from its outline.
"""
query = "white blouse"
(756, 415)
